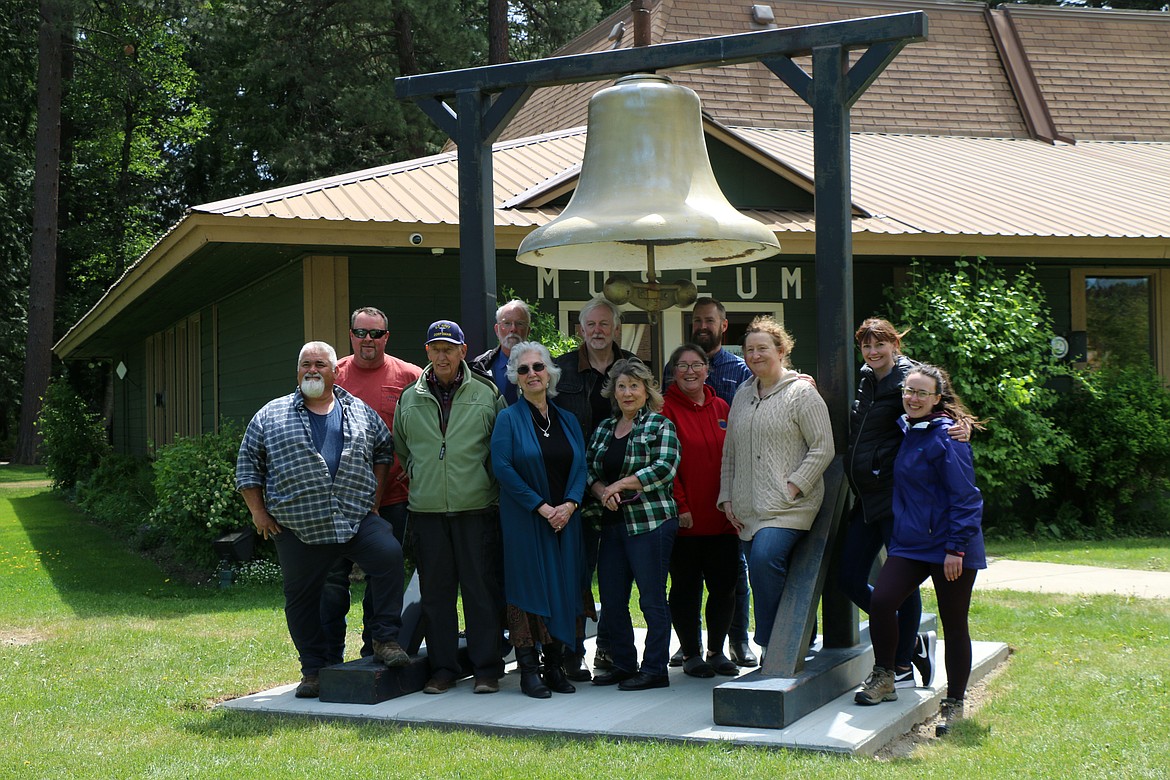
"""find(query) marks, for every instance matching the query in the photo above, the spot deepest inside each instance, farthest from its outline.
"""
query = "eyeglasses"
(921, 395)
(375, 333)
(513, 324)
(523, 370)
(684, 367)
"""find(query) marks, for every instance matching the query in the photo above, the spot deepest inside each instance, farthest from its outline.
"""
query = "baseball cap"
(445, 330)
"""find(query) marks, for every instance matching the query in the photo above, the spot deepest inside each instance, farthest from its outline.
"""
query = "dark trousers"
(863, 542)
(591, 538)
(304, 568)
(460, 554)
(335, 594)
(695, 560)
(898, 577)
(624, 559)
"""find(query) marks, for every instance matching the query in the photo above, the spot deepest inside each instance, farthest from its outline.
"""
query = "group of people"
(515, 477)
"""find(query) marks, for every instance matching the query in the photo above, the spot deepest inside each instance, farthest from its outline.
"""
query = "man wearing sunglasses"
(378, 379)
(513, 322)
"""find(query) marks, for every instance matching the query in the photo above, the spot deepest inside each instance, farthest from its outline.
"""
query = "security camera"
(416, 238)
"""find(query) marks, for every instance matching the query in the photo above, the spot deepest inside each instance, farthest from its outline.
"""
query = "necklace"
(536, 419)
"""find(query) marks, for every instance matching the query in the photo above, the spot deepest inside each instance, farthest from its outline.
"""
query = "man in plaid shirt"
(309, 468)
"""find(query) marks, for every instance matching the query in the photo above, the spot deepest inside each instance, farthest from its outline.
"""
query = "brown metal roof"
(911, 184)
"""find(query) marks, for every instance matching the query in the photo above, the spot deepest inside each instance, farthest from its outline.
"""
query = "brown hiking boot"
(310, 687)
(390, 653)
(878, 687)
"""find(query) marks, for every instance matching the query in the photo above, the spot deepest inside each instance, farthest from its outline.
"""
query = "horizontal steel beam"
(682, 55)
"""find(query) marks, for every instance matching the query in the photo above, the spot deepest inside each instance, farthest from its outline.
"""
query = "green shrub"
(1115, 478)
(544, 327)
(992, 334)
(74, 438)
(119, 494)
(195, 482)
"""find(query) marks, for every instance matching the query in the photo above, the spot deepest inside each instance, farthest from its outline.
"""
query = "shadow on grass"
(94, 573)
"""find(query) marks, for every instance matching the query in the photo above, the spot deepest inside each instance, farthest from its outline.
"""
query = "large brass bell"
(646, 193)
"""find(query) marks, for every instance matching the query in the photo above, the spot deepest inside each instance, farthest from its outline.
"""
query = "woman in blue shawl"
(538, 454)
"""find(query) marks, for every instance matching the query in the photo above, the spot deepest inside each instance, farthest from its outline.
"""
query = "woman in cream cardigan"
(778, 446)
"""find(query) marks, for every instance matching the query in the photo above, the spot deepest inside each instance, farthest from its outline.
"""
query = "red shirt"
(701, 431)
(380, 388)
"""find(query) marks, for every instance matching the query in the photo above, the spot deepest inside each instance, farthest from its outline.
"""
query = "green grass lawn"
(1143, 554)
(111, 671)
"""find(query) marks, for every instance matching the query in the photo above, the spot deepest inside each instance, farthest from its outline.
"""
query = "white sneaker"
(923, 658)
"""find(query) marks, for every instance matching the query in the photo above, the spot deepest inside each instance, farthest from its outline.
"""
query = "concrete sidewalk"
(1004, 574)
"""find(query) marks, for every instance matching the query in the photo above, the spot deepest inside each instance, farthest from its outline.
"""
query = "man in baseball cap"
(453, 517)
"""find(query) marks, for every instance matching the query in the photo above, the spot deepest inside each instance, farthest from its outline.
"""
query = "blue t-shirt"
(326, 430)
(500, 377)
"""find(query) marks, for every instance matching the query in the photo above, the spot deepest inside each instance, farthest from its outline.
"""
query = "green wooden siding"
(261, 331)
(414, 290)
(129, 425)
(207, 413)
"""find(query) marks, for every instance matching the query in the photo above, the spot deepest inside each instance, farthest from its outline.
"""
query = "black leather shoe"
(613, 677)
(677, 659)
(644, 682)
(602, 660)
(576, 670)
(741, 652)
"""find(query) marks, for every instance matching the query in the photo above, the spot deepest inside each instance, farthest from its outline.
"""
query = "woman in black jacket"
(874, 439)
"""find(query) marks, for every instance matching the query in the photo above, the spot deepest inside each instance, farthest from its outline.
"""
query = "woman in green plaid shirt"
(633, 456)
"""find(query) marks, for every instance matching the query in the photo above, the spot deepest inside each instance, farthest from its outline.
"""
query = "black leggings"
(899, 577)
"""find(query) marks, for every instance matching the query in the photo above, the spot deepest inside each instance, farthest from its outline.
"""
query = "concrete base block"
(369, 681)
(756, 701)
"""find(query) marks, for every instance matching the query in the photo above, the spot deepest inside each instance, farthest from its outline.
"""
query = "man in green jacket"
(442, 433)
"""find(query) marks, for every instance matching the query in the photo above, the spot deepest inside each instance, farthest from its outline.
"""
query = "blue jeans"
(863, 541)
(335, 593)
(622, 560)
(743, 602)
(304, 568)
(767, 555)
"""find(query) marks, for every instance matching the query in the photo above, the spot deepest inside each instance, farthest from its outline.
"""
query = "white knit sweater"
(771, 441)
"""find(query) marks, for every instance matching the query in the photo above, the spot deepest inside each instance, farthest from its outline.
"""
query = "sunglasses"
(376, 333)
(523, 370)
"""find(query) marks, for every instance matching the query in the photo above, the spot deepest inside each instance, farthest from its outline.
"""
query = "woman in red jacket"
(707, 546)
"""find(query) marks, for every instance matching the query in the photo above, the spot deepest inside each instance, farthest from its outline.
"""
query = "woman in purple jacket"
(937, 533)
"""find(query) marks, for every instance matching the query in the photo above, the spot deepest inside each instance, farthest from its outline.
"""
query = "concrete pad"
(680, 713)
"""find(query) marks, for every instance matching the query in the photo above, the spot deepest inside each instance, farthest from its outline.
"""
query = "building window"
(1118, 317)
(1120, 312)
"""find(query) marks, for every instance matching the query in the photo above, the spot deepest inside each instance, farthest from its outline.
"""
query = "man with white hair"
(309, 469)
(513, 323)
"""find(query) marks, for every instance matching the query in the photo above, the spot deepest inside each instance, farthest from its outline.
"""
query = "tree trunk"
(497, 31)
(43, 259)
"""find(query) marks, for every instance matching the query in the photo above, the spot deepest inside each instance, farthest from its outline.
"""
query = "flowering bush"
(197, 502)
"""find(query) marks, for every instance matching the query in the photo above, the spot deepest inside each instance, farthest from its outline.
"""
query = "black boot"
(575, 668)
(530, 681)
(554, 674)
